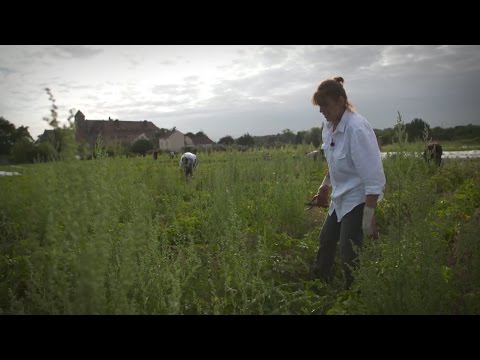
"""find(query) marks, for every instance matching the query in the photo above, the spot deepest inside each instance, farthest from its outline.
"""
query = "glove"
(368, 221)
(326, 182)
(321, 198)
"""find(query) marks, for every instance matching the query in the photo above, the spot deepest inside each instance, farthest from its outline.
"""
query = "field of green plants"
(133, 236)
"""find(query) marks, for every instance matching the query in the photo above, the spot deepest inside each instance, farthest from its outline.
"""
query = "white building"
(174, 141)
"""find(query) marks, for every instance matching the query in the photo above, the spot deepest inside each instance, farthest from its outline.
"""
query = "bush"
(141, 146)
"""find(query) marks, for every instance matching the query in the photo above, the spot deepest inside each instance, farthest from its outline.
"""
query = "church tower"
(80, 127)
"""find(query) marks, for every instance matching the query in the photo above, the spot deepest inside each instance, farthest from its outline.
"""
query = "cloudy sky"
(234, 89)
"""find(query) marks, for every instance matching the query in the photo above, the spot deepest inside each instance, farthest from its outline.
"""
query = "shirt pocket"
(340, 160)
(340, 154)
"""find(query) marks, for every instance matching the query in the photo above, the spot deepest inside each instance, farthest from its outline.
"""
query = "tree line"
(416, 130)
(18, 146)
(419, 129)
(309, 137)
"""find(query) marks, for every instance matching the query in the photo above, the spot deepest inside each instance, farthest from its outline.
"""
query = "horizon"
(234, 90)
(254, 135)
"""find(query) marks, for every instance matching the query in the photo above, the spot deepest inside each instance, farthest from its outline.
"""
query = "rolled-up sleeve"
(367, 159)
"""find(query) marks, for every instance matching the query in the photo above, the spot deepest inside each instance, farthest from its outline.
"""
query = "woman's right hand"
(321, 198)
(369, 225)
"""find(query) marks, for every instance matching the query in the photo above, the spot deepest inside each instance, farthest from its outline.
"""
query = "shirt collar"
(343, 122)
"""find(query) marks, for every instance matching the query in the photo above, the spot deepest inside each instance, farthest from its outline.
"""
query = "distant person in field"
(188, 163)
(313, 155)
(355, 176)
(433, 151)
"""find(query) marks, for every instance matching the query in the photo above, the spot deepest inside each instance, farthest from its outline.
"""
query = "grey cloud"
(273, 55)
(74, 51)
(267, 81)
(133, 63)
(192, 79)
(263, 56)
(437, 83)
(301, 67)
(259, 119)
(167, 90)
(167, 62)
(413, 80)
(130, 107)
(5, 71)
(133, 103)
(188, 90)
(332, 61)
(269, 86)
(429, 60)
(76, 86)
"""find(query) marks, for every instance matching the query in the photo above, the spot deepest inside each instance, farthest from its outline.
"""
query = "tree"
(22, 133)
(226, 140)
(288, 137)
(315, 136)
(386, 135)
(466, 132)
(9, 135)
(7, 131)
(45, 152)
(24, 151)
(246, 140)
(161, 132)
(63, 138)
(300, 137)
(416, 130)
(441, 134)
(64, 142)
(272, 141)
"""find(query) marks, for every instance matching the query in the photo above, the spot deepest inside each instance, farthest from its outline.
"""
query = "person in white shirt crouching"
(188, 163)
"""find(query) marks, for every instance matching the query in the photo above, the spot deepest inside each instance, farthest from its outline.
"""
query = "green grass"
(132, 236)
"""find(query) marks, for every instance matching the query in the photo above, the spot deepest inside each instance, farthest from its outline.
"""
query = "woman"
(355, 175)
